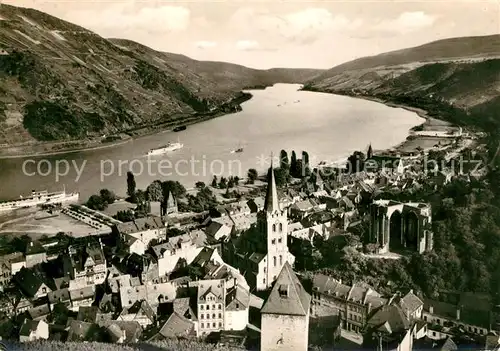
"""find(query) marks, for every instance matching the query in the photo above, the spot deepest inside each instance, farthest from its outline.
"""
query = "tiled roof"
(56, 296)
(288, 296)
(237, 298)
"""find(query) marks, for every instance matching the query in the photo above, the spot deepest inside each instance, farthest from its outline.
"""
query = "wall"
(236, 320)
(407, 342)
(284, 333)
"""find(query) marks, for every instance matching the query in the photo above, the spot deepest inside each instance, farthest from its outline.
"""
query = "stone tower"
(171, 204)
(275, 227)
(285, 315)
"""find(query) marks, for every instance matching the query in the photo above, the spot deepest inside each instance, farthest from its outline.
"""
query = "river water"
(329, 127)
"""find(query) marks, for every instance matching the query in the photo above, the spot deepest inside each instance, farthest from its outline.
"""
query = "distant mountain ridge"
(463, 73)
(59, 81)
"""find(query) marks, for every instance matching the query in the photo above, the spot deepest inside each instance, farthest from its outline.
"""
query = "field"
(26, 223)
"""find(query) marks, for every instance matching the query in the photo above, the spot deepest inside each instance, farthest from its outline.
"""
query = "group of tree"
(225, 183)
(102, 201)
(203, 200)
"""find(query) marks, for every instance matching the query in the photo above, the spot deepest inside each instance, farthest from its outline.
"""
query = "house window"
(264, 269)
(208, 315)
(237, 305)
(214, 324)
(202, 316)
(44, 290)
(281, 260)
(213, 307)
(208, 307)
(274, 261)
(220, 325)
(213, 315)
(201, 307)
(129, 302)
(281, 227)
(220, 306)
(220, 316)
(274, 227)
(202, 325)
(264, 281)
(279, 240)
(433, 333)
(273, 241)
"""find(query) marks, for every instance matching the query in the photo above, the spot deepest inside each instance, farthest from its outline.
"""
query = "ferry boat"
(165, 148)
(38, 198)
(238, 150)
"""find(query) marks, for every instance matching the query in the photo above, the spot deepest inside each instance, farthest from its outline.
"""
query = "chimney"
(431, 310)
(458, 313)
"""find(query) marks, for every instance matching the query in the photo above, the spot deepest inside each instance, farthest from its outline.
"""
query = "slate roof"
(176, 325)
(140, 307)
(411, 302)
(57, 296)
(34, 247)
(28, 327)
(140, 225)
(237, 299)
(431, 344)
(295, 302)
(78, 330)
(28, 281)
(391, 317)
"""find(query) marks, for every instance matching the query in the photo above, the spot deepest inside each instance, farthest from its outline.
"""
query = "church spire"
(369, 153)
(271, 204)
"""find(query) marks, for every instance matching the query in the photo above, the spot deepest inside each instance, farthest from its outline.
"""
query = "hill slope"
(463, 73)
(59, 81)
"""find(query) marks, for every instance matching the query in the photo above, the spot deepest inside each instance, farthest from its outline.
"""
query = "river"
(329, 127)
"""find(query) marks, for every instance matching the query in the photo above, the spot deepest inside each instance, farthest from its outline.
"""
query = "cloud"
(247, 45)
(407, 22)
(205, 44)
(304, 26)
(124, 16)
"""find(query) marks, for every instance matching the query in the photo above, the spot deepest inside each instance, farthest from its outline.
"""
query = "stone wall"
(284, 333)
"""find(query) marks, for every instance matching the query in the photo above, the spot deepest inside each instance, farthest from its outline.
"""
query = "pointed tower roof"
(369, 153)
(319, 180)
(170, 199)
(288, 296)
(271, 203)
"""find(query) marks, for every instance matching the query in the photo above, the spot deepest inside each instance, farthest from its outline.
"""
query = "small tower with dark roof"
(285, 315)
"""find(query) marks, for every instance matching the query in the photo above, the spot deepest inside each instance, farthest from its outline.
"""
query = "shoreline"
(411, 138)
(235, 104)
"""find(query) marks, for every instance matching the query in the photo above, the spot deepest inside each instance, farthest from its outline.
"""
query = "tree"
(284, 162)
(236, 180)
(199, 185)
(140, 197)
(107, 196)
(252, 175)
(155, 191)
(95, 202)
(214, 182)
(356, 162)
(124, 216)
(280, 176)
(174, 187)
(131, 185)
(222, 183)
(230, 183)
(293, 164)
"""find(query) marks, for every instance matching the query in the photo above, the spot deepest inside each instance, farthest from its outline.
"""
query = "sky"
(278, 33)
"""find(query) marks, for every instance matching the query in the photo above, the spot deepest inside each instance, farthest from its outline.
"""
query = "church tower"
(171, 205)
(275, 227)
(369, 153)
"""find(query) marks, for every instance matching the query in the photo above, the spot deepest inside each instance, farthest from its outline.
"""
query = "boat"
(238, 150)
(179, 128)
(165, 148)
(38, 198)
